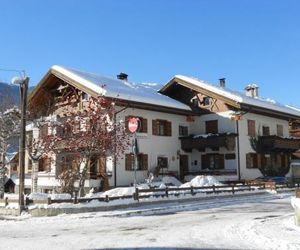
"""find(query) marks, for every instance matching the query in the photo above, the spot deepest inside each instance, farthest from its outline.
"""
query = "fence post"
(249, 186)
(232, 188)
(75, 197)
(49, 200)
(136, 194)
(192, 191)
(167, 192)
(297, 193)
(214, 189)
(6, 201)
(106, 198)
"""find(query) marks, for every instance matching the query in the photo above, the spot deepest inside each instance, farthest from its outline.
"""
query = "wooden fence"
(158, 192)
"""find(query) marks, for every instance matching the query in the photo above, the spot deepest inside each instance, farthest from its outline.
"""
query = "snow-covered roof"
(241, 97)
(121, 89)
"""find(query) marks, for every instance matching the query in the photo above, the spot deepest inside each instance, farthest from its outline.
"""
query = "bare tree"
(9, 128)
(82, 137)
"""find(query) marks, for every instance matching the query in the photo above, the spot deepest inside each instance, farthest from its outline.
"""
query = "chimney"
(252, 90)
(222, 82)
(122, 76)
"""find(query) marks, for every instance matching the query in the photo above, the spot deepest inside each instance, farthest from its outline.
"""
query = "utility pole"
(23, 83)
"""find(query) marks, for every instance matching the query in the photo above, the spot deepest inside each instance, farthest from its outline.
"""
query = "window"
(143, 124)
(93, 166)
(230, 156)
(183, 130)
(206, 101)
(45, 165)
(162, 162)
(211, 127)
(251, 128)
(279, 130)
(161, 127)
(142, 162)
(253, 160)
(29, 165)
(212, 161)
(69, 162)
(84, 96)
(195, 102)
(266, 130)
(44, 130)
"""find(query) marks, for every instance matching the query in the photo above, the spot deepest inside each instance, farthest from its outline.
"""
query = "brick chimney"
(222, 82)
(252, 90)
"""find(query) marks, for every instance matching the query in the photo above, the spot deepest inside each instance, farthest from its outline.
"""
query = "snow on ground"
(202, 181)
(295, 202)
(255, 222)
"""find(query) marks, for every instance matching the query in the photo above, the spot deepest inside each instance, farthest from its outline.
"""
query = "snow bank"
(171, 180)
(60, 196)
(166, 181)
(202, 181)
(44, 196)
(123, 191)
(295, 202)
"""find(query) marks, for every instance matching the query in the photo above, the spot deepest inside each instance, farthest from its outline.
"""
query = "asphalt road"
(258, 222)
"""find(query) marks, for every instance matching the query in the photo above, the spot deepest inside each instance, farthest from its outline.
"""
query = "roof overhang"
(175, 80)
(82, 84)
(235, 104)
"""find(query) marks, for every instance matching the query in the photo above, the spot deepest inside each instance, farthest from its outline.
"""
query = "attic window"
(195, 102)
(84, 96)
(206, 101)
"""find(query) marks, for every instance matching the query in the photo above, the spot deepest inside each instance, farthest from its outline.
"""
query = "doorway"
(183, 166)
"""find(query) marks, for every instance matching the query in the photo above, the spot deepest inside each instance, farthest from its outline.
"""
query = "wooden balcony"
(213, 141)
(295, 132)
(273, 143)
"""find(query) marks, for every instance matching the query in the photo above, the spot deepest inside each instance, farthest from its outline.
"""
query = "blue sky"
(246, 41)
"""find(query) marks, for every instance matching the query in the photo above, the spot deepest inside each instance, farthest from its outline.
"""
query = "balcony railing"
(276, 143)
(201, 142)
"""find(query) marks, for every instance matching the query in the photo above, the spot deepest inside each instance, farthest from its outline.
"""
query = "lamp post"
(23, 83)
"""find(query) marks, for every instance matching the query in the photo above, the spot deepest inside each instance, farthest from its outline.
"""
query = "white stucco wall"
(245, 146)
(153, 145)
(225, 125)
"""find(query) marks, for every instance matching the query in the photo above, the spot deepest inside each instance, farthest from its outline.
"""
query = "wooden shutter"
(126, 124)
(41, 165)
(44, 130)
(251, 127)
(168, 128)
(59, 131)
(102, 165)
(154, 127)
(258, 158)
(128, 162)
(268, 161)
(248, 160)
(144, 162)
(285, 160)
(221, 161)
(144, 125)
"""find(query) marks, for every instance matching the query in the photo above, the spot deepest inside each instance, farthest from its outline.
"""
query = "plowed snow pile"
(202, 181)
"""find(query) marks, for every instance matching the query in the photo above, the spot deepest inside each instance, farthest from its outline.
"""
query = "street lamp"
(23, 83)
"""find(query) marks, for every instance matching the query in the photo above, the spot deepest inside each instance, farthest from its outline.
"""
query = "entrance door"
(183, 165)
